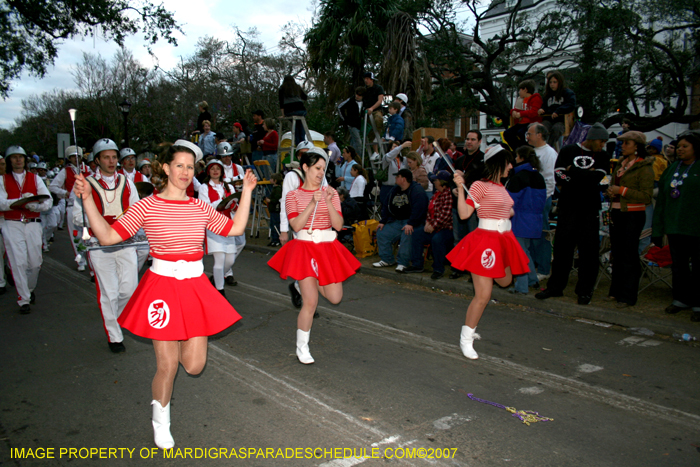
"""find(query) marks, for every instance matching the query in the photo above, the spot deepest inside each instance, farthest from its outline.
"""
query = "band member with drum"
(22, 232)
(116, 270)
(315, 257)
(491, 252)
(224, 249)
(127, 159)
(62, 185)
(174, 304)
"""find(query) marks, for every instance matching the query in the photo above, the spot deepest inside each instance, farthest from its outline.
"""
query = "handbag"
(365, 238)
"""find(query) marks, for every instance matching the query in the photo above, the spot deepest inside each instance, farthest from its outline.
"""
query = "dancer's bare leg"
(482, 294)
(332, 292)
(191, 353)
(309, 293)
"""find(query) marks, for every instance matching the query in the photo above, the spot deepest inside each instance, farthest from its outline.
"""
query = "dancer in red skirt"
(174, 304)
(315, 258)
(490, 252)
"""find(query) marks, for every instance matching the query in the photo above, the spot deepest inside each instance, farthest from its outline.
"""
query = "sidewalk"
(648, 313)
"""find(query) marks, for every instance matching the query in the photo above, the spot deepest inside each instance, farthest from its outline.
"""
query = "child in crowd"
(526, 111)
(273, 205)
(394, 131)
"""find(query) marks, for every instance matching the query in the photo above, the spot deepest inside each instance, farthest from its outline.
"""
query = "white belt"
(178, 269)
(317, 236)
(500, 225)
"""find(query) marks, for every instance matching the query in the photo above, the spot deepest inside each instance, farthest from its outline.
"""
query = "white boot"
(466, 342)
(303, 353)
(161, 426)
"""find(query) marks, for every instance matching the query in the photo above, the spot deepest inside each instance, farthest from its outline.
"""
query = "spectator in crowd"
(670, 151)
(207, 140)
(406, 114)
(420, 176)
(470, 167)
(246, 153)
(359, 184)
(273, 205)
(440, 164)
(238, 138)
(437, 230)
(430, 157)
(677, 215)
(204, 115)
(372, 102)
(654, 149)
(258, 133)
(291, 99)
(541, 248)
(392, 162)
(630, 193)
(343, 172)
(405, 209)
(525, 112)
(351, 112)
(333, 148)
(395, 124)
(558, 101)
(351, 209)
(454, 152)
(626, 126)
(579, 170)
(528, 189)
(269, 143)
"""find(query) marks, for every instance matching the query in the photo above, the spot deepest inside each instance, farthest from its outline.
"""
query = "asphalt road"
(389, 381)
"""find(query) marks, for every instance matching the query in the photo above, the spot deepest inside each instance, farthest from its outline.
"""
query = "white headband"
(189, 145)
(492, 151)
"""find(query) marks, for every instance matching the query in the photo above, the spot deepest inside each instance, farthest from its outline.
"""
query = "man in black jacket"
(578, 172)
(350, 111)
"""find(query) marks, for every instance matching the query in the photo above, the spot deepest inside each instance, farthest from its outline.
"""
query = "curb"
(550, 306)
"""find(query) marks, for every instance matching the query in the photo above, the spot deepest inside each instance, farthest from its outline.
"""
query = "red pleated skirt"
(329, 262)
(488, 253)
(167, 309)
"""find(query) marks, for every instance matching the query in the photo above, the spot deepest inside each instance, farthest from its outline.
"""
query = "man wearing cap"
(238, 138)
(351, 111)
(406, 114)
(437, 230)
(62, 186)
(22, 233)
(654, 148)
(127, 159)
(372, 102)
(578, 171)
(231, 171)
(404, 211)
(116, 270)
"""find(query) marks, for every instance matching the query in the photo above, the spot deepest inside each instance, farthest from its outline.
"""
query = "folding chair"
(656, 266)
(603, 259)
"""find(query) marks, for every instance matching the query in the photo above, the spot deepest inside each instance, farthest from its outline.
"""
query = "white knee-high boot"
(466, 342)
(303, 353)
(161, 426)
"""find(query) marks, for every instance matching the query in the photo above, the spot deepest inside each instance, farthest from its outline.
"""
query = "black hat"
(369, 75)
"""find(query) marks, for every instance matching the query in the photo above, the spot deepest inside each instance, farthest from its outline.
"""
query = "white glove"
(34, 207)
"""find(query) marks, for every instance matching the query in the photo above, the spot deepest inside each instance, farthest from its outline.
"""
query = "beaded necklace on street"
(678, 179)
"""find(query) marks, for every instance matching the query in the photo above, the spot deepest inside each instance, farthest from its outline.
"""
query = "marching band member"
(49, 218)
(174, 304)
(127, 159)
(116, 271)
(62, 185)
(224, 249)
(22, 228)
(315, 258)
(491, 252)
(232, 172)
(145, 169)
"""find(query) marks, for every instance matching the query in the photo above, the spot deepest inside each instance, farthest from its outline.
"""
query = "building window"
(475, 122)
(458, 127)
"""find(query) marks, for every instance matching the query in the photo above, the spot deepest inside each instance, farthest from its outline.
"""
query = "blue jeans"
(384, 191)
(356, 141)
(440, 241)
(541, 248)
(524, 281)
(643, 243)
(257, 156)
(272, 159)
(386, 238)
(275, 227)
(299, 133)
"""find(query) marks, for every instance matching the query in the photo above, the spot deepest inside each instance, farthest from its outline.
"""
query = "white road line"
(588, 368)
(515, 370)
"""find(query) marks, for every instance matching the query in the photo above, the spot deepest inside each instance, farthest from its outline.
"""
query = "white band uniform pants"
(116, 278)
(71, 229)
(240, 245)
(23, 245)
(2, 255)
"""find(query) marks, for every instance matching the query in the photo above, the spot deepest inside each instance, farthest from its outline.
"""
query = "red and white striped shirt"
(494, 200)
(175, 229)
(297, 201)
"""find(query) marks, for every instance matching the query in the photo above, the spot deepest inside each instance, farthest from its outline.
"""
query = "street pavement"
(389, 380)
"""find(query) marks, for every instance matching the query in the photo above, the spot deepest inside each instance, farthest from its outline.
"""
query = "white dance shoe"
(466, 342)
(303, 353)
(161, 426)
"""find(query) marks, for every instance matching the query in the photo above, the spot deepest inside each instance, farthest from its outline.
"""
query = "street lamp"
(125, 107)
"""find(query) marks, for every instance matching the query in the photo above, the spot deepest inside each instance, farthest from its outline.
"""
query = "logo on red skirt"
(488, 258)
(158, 314)
(314, 266)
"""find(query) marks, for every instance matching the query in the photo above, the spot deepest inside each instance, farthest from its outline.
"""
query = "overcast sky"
(197, 18)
